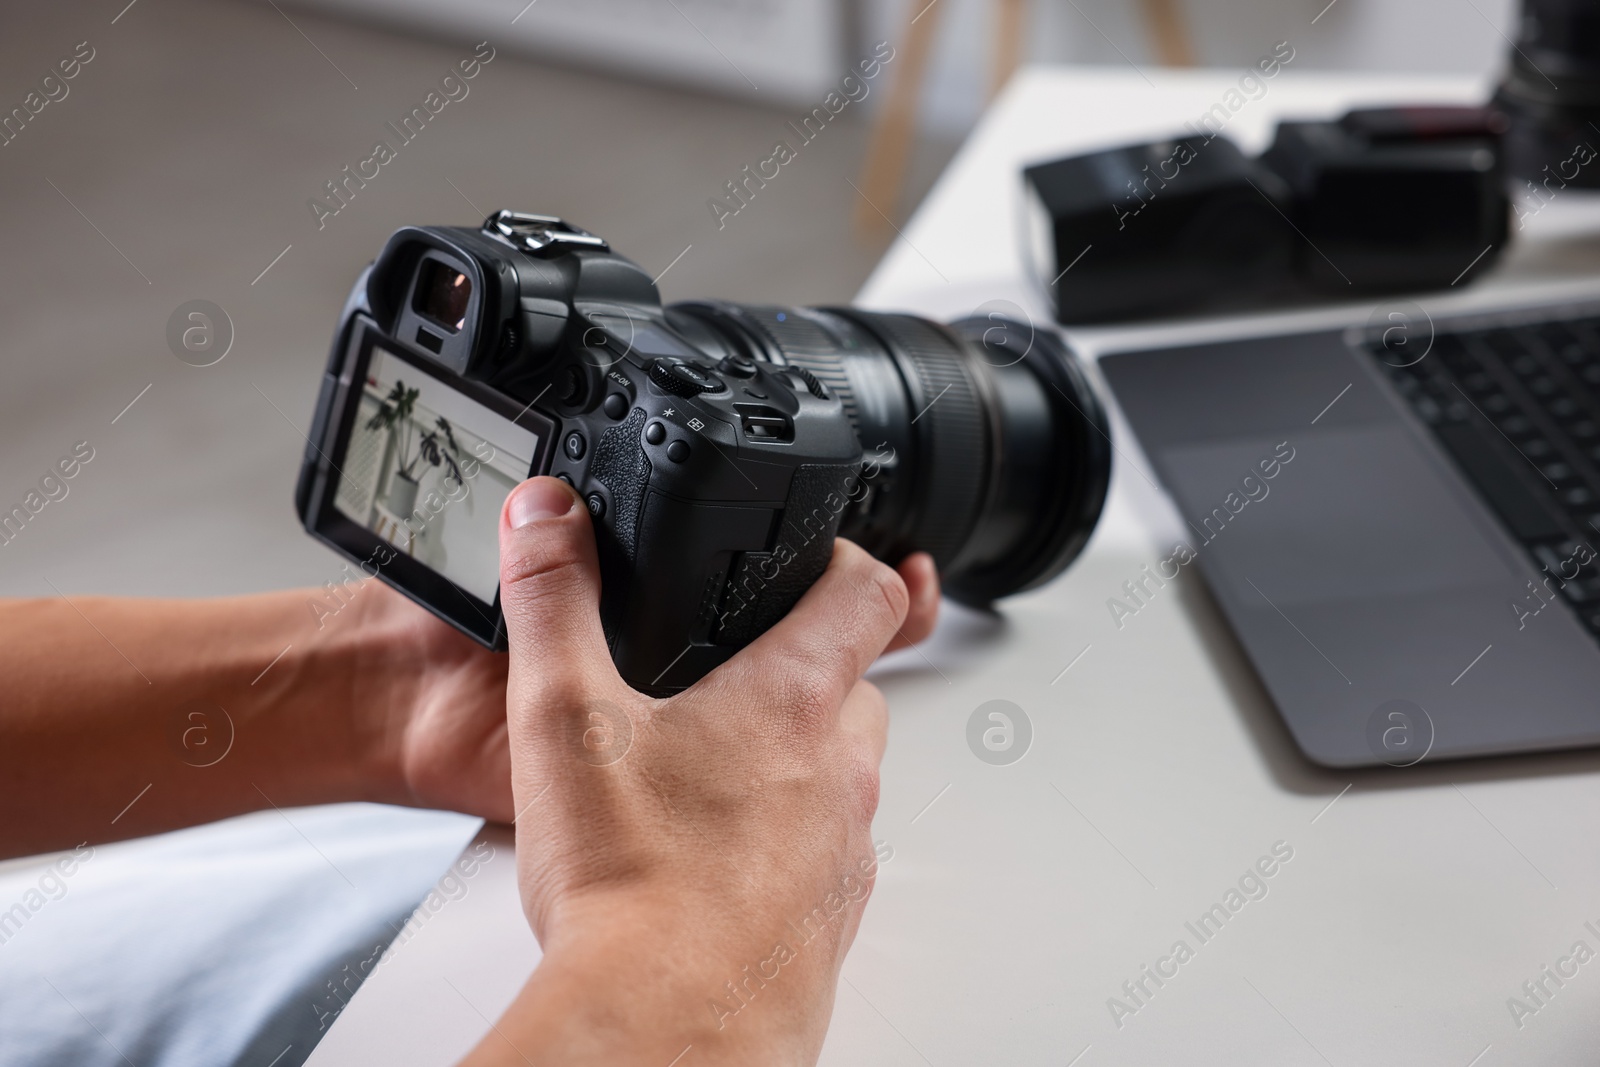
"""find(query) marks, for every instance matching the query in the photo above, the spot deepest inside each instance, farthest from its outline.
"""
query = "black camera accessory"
(1552, 94)
(1139, 229)
(719, 448)
(1381, 200)
(1394, 199)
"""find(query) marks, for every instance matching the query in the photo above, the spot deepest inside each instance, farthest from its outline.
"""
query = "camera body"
(467, 360)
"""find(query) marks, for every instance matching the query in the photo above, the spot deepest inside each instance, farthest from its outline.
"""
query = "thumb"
(550, 594)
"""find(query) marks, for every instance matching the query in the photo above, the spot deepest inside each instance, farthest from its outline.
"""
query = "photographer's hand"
(694, 867)
(128, 717)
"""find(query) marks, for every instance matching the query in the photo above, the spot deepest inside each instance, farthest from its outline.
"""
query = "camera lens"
(984, 444)
(1552, 93)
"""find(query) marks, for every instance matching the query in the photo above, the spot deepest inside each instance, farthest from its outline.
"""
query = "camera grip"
(697, 581)
(763, 586)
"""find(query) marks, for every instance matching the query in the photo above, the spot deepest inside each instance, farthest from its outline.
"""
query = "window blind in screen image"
(428, 470)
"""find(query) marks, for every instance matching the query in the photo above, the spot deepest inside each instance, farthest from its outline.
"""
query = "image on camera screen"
(428, 470)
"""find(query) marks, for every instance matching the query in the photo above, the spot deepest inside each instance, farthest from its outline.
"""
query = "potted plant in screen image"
(435, 448)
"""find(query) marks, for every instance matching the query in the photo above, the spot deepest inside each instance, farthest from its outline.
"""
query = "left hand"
(440, 709)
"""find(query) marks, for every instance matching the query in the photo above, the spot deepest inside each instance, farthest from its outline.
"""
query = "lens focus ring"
(953, 447)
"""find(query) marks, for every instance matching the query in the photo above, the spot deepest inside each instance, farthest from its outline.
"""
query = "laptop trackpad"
(1353, 514)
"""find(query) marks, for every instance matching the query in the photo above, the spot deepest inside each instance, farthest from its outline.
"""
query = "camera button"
(678, 451)
(655, 433)
(574, 445)
(738, 366)
(597, 504)
(615, 405)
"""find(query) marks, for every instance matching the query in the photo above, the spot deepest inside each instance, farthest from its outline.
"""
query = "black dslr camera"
(720, 447)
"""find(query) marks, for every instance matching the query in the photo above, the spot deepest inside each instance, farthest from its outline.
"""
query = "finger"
(550, 594)
(922, 582)
(830, 637)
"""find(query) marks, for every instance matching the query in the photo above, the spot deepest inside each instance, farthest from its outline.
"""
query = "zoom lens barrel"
(985, 445)
(1552, 94)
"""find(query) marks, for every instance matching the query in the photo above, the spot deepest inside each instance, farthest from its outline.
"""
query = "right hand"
(694, 867)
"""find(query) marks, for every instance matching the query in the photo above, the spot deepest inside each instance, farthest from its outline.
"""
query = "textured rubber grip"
(620, 464)
(763, 586)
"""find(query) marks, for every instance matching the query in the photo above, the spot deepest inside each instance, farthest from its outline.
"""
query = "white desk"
(1020, 898)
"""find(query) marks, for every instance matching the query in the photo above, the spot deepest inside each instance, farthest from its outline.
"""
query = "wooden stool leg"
(1007, 43)
(1168, 33)
(897, 125)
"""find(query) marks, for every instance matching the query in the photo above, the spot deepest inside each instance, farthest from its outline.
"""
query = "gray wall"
(782, 46)
(1396, 35)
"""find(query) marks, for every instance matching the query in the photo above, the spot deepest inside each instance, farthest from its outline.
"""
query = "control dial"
(683, 379)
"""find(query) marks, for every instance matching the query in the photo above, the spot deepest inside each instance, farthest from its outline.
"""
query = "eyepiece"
(442, 294)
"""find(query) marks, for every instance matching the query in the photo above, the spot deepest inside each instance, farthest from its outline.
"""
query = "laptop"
(1401, 526)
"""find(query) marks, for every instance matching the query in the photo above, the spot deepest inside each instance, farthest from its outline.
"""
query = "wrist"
(373, 668)
(329, 710)
(739, 990)
(644, 981)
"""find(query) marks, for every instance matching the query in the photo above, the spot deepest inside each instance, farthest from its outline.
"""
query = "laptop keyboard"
(1518, 408)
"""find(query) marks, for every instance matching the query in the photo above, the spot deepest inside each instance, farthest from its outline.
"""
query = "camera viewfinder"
(443, 294)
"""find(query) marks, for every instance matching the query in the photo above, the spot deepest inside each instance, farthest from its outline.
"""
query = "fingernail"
(540, 498)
